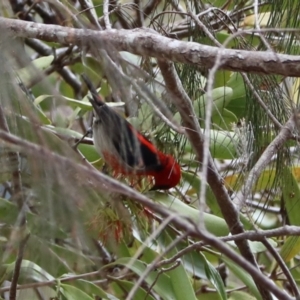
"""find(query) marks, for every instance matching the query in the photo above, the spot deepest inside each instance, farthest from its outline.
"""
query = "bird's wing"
(135, 150)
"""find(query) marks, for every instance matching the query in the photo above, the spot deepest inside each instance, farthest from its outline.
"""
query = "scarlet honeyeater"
(126, 150)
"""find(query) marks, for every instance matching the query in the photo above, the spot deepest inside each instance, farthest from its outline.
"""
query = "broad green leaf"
(222, 145)
(64, 131)
(215, 225)
(162, 283)
(91, 154)
(148, 254)
(221, 98)
(30, 72)
(122, 287)
(214, 277)
(92, 289)
(243, 276)
(86, 105)
(193, 262)
(88, 151)
(181, 283)
(290, 248)
(221, 78)
(71, 292)
(237, 104)
(198, 260)
(23, 128)
(29, 272)
(236, 82)
(224, 120)
(238, 295)
(291, 196)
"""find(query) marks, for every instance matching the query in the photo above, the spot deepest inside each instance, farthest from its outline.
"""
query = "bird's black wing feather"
(134, 153)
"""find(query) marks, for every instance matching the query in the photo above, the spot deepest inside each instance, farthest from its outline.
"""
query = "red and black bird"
(126, 150)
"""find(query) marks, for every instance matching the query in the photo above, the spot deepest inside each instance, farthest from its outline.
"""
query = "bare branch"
(283, 267)
(16, 182)
(147, 42)
(184, 106)
(104, 183)
(106, 14)
(16, 273)
(53, 282)
(264, 160)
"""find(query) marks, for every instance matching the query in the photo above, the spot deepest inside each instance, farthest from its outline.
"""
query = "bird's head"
(169, 175)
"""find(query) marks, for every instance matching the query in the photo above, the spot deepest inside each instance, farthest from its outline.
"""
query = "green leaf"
(224, 120)
(193, 262)
(92, 289)
(290, 248)
(237, 104)
(214, 277)
(162, 283)
(291, 196)
(28, 73)
(29, 271)
(181, 283)
(86, 105)
(123, 287)
(238, 295)
(243, 276)
(71, 292)
(222, 144)
(215, 225)
(221, 98)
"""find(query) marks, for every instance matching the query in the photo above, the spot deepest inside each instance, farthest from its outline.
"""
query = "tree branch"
(264, 160)
(147, 42)
(189, 120)
(102, 183)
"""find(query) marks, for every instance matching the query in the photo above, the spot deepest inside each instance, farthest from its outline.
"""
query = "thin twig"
(202, 26)
(17, 268)
(142, 90)
(197, 139)
(152, 266)
(16, 183)
(106, 14)
(53, 282)
(89, 10)
(260, 101)
(254, 235)
(283, 267)
(104, 183)
(284, 135)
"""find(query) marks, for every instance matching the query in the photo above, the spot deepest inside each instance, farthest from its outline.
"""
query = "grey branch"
(147, 42)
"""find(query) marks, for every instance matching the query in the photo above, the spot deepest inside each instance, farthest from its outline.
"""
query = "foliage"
(88, 239)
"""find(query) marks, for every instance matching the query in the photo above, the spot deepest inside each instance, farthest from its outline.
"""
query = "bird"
(125, 149)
